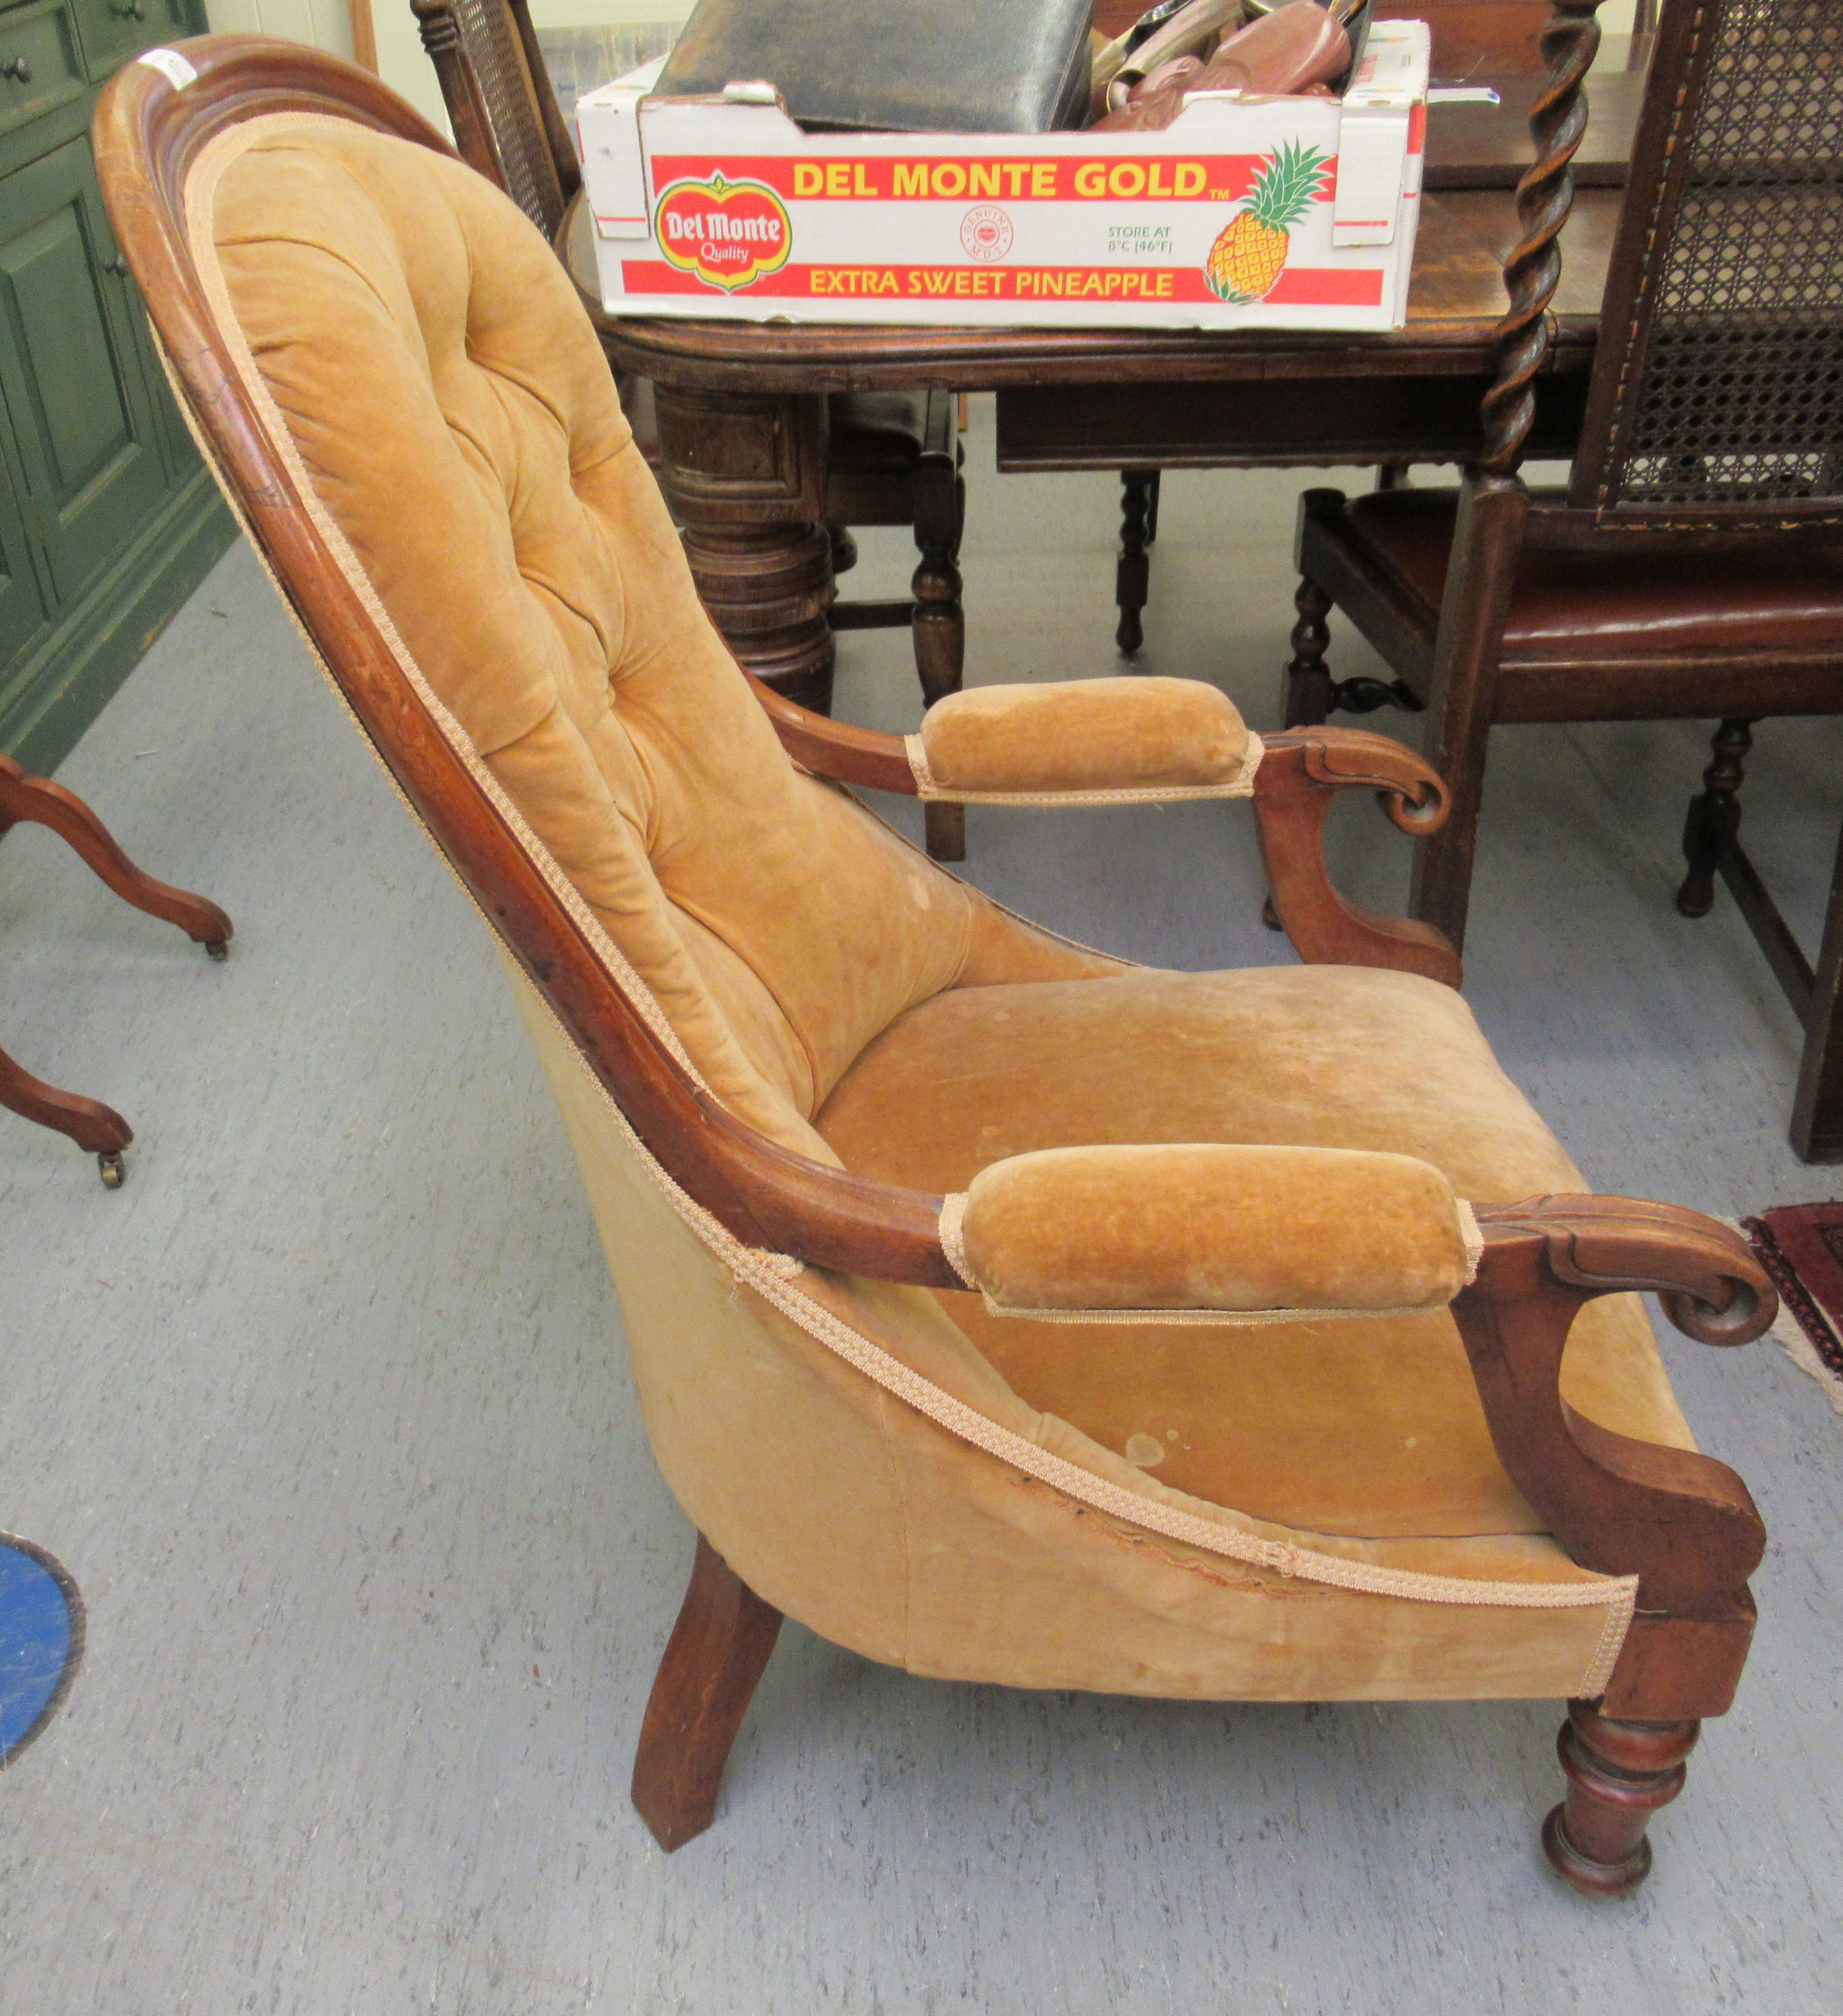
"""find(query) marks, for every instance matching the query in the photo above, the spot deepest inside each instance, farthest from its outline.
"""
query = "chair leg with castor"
(1619, 1773)
(713, 1663)
(36, 801)
(96, 1128)
(1307, 694)
(1714, 820)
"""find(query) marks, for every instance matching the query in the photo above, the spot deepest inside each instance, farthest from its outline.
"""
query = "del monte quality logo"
(729, 234)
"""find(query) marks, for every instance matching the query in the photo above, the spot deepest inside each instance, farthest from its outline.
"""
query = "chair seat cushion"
(1639, 599)
(1367, 1426)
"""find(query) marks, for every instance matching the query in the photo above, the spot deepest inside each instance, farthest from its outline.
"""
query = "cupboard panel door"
(81, 406)
(22, 612)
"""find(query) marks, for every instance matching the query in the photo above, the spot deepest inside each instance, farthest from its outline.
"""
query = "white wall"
(326, 24)
(403, 63)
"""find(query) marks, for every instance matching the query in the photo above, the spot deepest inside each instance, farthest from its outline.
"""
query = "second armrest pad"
(1083, 735)
(1208, 1227)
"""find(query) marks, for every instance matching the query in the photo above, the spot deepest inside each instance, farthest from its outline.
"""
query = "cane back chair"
(1693, 566)
(1001, 1310)
(890, 458)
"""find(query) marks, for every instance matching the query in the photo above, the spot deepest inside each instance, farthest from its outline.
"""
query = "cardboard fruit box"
(1276, 213)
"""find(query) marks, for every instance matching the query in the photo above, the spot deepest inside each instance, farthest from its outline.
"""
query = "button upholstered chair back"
(447, 401)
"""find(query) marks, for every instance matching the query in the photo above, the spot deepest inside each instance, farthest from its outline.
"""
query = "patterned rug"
(41, 1641)
(1801, 1246)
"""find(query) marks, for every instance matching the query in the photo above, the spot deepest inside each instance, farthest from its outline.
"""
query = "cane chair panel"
(1721, 372)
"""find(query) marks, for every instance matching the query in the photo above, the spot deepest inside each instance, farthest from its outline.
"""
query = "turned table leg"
(713, 1663)
(745, 477)
(1618, 1774)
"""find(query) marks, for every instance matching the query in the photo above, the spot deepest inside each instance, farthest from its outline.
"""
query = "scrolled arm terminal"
(1300, 772)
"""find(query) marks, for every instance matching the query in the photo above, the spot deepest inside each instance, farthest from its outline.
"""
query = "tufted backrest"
(455, 414)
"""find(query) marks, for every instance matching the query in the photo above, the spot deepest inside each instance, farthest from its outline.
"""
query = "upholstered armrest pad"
(1174, 1228)
(1092, 739)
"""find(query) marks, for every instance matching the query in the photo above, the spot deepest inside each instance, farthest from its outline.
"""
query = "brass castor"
(219, 949)
(109, 1165)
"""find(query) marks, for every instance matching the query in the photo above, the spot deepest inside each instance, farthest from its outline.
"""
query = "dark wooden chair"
(891, 459)
(29, 801)
(1692, 565)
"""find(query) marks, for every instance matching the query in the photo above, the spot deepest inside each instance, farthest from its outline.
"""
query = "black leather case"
(909, 66)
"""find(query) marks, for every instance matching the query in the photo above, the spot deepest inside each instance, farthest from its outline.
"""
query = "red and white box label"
(1278, 213)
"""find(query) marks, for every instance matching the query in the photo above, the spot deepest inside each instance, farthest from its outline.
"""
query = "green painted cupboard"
(108, 519)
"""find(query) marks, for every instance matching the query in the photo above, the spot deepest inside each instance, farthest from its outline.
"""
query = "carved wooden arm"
(1052, 742)
(860, 756)
(1301, 772)
(1683, 1523)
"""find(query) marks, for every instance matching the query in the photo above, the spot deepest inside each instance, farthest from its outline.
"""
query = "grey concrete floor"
(327, 1411)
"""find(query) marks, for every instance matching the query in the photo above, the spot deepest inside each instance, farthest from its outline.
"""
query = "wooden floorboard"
(328, 1413)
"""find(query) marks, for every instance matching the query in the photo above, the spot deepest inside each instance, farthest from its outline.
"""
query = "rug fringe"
(1788, 1333)
(1798, 1347)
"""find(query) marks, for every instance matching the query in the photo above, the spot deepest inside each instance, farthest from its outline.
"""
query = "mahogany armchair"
(1001, 1310)
(1692, 566)
(890, 458)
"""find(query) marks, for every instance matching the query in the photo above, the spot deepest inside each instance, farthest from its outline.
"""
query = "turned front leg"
(1619, 1773)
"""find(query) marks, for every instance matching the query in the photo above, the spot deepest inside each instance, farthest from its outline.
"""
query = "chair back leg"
(714, 1660)
(1487, 541)
(1817, 1111)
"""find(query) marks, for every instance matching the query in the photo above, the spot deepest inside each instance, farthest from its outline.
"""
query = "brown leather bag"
(1296, 48)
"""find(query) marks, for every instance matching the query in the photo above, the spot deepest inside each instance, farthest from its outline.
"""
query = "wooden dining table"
(742, 406)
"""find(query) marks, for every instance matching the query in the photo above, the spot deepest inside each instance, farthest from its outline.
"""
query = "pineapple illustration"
(1247, 258)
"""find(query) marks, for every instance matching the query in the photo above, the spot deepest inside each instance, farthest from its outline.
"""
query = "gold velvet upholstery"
(1101, 735)
(421, 353)
(1361, 1425)
(1209, 1227)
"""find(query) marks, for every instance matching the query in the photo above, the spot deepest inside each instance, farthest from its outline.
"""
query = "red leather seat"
(1656, 597)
